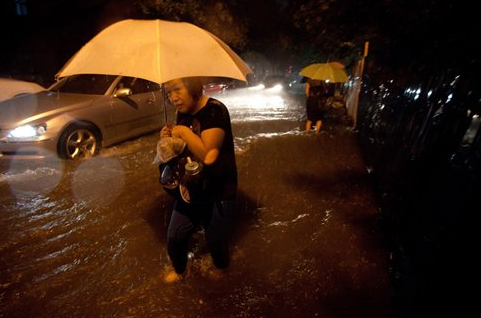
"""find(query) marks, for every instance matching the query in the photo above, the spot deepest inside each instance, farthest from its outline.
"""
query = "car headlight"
(27, 131)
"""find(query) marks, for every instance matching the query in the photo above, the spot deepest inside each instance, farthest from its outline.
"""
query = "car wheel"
(78, 141)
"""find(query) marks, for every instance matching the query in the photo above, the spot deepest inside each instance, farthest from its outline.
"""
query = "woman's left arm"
(206, 147)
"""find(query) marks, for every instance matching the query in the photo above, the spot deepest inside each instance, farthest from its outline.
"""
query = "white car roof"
(10, 88)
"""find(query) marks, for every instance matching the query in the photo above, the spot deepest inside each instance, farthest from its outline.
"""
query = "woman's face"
(180, 96)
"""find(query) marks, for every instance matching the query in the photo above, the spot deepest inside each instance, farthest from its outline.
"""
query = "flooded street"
(87, 239)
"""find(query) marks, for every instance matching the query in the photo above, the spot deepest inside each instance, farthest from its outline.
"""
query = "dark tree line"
(289, 32)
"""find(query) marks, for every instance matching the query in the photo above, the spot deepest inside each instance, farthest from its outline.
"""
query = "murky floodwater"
(87, 239)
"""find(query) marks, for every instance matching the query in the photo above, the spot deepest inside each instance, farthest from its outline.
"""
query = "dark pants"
(216, 218)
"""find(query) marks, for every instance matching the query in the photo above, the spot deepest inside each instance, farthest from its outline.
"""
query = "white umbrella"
(156, 50)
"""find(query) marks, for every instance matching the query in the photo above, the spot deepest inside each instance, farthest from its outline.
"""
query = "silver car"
(78, 115)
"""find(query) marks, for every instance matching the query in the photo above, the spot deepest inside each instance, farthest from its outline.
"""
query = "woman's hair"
(194, 86)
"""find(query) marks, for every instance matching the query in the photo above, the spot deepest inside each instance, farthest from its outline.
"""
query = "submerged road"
(88, 239)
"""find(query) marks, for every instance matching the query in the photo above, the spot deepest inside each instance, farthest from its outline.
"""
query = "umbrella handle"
(164, 95)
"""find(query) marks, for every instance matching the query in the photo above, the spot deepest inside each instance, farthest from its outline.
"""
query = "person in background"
(314, 97)
(204, 124)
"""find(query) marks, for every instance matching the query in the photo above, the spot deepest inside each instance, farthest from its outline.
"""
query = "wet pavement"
(87, 239)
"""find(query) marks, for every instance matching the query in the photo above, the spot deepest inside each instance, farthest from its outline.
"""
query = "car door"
(138, 113)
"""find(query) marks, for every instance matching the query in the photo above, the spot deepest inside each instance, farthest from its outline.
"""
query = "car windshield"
(84, 84)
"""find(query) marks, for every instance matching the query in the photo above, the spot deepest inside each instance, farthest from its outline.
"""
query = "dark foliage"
(420, 129)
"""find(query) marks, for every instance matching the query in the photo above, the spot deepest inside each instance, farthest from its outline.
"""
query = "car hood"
(35, 107)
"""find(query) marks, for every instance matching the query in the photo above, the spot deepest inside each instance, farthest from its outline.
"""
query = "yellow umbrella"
(325, 72)
(156, 50)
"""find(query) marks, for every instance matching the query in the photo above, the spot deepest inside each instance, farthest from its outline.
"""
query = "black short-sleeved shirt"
(221, 176)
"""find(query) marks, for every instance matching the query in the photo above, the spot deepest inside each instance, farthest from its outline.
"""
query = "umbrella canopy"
(156, 50)
(325, 72)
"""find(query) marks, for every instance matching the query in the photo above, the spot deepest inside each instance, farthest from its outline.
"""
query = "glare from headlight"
(276, 88)
(257, 87)
(27, 131)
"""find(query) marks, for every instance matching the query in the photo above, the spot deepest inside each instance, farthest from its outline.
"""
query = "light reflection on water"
(242, 144)
(247, 106)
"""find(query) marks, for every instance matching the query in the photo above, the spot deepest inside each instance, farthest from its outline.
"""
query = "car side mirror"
(123, 92)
